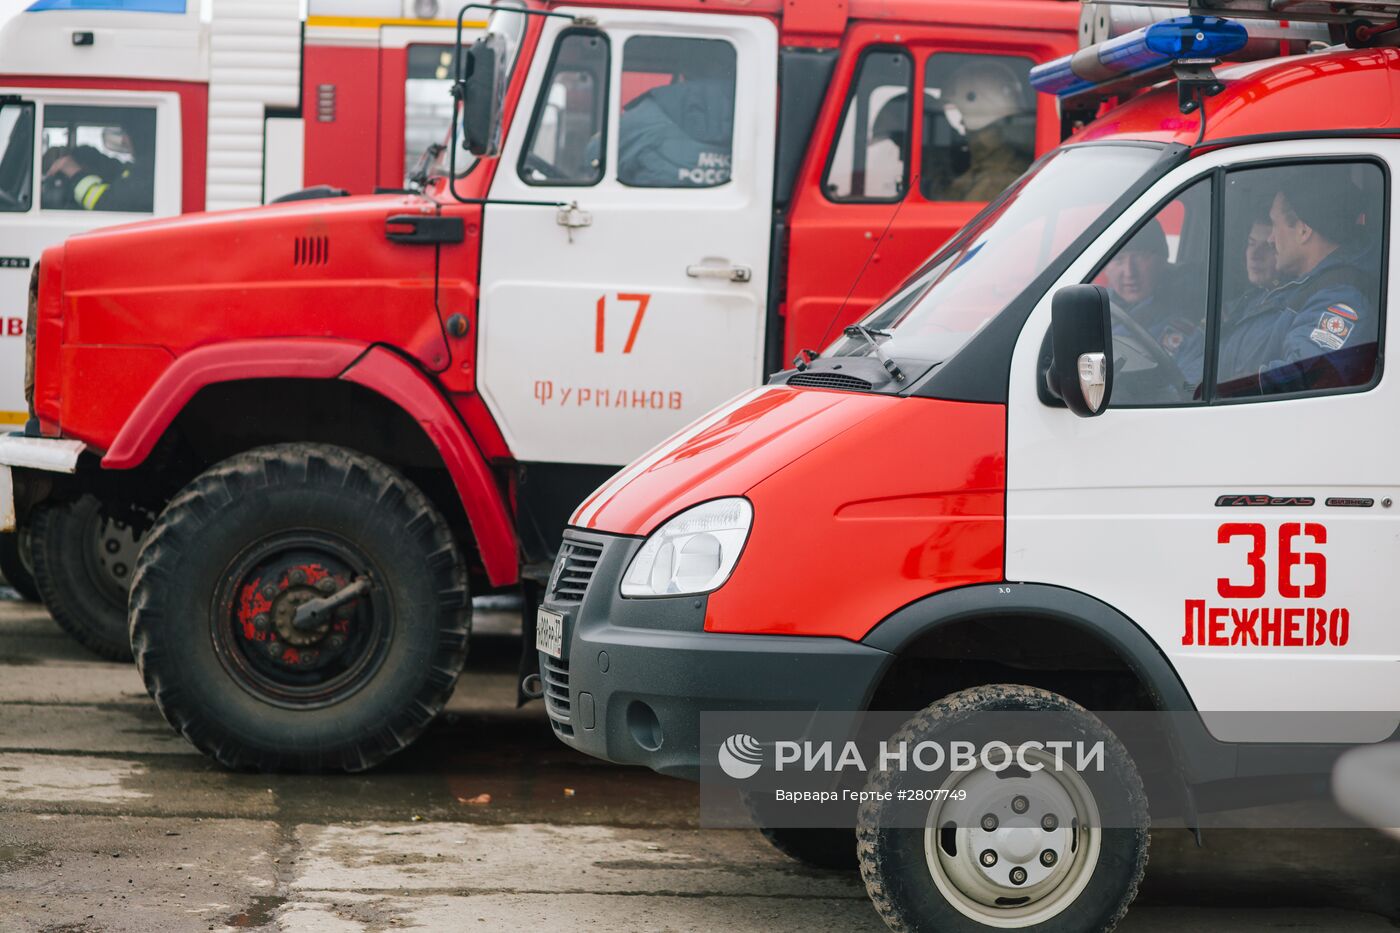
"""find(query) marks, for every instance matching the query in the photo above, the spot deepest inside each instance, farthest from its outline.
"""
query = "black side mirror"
(483, 95)
(1081, 338)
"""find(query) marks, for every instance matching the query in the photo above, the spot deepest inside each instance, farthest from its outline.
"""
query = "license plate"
(549, 633)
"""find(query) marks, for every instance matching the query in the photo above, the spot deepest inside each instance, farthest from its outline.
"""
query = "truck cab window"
(567, 131)
(676, 129)
(1158, 287)
(979, 125)
(427, 101)
(1301, 309)
(99, 159)
(870, 161)
(16, 157)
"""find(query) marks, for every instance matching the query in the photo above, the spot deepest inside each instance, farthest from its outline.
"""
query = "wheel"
(83, 563)
(235, 555)
(829, 848)
(1057, 850)
(14, 568)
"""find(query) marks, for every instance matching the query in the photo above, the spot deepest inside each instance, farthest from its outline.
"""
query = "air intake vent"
(311, 251)
(573, 570)
(830, 380)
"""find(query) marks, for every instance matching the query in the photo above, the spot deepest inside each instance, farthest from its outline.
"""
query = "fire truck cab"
(127, 110)
(1119, 445)
(396, 400)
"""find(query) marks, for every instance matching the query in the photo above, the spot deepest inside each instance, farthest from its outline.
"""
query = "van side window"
(1301, 279)
(979, 125)
(565, 143)
(870, 160)
(98, 159)
(676, 129)
(16, 157)
(1159, 295)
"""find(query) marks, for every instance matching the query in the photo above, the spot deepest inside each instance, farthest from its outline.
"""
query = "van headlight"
(694, 552)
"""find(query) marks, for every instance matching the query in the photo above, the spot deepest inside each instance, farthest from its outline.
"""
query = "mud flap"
(530, 591)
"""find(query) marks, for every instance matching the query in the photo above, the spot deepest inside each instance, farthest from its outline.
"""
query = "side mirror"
(483, 95)
(1081, 338)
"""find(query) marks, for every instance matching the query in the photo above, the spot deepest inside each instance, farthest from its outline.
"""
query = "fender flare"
(1201, 756)
(389, 375)
(375, 368)
(234, 361)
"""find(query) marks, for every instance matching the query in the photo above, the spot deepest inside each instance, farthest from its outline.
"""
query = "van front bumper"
(637, 673)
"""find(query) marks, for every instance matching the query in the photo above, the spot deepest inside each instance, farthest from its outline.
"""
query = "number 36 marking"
(1287, 560)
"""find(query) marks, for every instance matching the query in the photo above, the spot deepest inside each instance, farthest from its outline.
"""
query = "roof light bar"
(1140, 52)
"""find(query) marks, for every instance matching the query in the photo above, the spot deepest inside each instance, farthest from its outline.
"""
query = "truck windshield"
(511, 26)
(991, 261)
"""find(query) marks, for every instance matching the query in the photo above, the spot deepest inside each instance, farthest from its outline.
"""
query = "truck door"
(123, 164)
(888, 184)
(606, 325)
(1237, 499)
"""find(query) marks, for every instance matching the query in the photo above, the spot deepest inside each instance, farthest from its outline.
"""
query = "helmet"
(983, 93)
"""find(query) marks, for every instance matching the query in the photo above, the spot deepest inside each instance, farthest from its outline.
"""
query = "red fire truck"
(168, 108)
(353, 413)
(1119, 445)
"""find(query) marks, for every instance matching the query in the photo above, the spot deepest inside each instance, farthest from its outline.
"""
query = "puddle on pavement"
(260, 913)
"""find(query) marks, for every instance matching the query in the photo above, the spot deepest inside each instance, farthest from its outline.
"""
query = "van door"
(127, 151)
(607, 325)
(1236, 500)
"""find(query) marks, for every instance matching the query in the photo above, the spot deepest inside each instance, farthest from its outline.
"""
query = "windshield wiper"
(418, 178)
(859, 330)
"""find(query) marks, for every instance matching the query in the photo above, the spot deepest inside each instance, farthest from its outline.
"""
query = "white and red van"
(1121, 444)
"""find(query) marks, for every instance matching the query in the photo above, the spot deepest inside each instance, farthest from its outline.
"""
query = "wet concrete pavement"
(109, 821)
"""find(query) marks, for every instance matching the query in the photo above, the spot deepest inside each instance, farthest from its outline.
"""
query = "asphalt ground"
(109, 821)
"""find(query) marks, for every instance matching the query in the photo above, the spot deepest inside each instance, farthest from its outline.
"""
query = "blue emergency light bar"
(1138, 52)
(124, 6)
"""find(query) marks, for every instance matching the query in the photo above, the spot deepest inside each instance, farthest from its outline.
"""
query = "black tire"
(828, 848)
(14, 570)
(899, 870)
(80, 583)
(232, 683)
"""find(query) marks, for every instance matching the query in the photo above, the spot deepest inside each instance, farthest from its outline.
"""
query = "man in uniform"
(95, 181)
(1318, 329)
(678, 135)
(1140, 282)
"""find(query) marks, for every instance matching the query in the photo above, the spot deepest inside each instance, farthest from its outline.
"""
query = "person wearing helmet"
(991, 104)
(85, 178)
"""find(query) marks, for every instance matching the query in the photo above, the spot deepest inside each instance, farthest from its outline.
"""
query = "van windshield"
(991, 261)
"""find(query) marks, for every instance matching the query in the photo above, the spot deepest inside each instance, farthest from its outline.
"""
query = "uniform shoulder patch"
(1332, 329)
(1346, 311)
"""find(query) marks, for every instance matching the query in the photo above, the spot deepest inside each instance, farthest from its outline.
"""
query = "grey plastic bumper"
(637, 673)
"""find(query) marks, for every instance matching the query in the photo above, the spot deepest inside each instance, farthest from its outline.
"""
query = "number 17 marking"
(642, 301)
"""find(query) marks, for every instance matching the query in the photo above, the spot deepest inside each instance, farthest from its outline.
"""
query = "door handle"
(728, 273)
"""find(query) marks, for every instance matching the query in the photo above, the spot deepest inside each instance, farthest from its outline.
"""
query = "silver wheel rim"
(982, 887)
(116, 548)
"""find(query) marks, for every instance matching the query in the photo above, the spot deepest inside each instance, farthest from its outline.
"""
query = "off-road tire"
(893, 861)
(82, 597)
(13, 569)
(829, 848)
(260, 494)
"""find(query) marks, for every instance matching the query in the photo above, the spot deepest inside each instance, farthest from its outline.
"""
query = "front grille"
(555, 673)
(830, 381)
(573, 570)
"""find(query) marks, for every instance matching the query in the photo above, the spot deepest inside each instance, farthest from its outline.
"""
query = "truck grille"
(555, 673)
(830, 381)
(573, 570)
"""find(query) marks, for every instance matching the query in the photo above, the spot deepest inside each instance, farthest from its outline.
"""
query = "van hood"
(725, 453)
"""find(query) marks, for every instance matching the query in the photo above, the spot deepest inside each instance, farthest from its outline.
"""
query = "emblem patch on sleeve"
(1333, 328)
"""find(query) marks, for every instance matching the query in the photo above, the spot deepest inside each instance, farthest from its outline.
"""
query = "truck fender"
(394, 378)
(224, 362)
(1200, 756)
